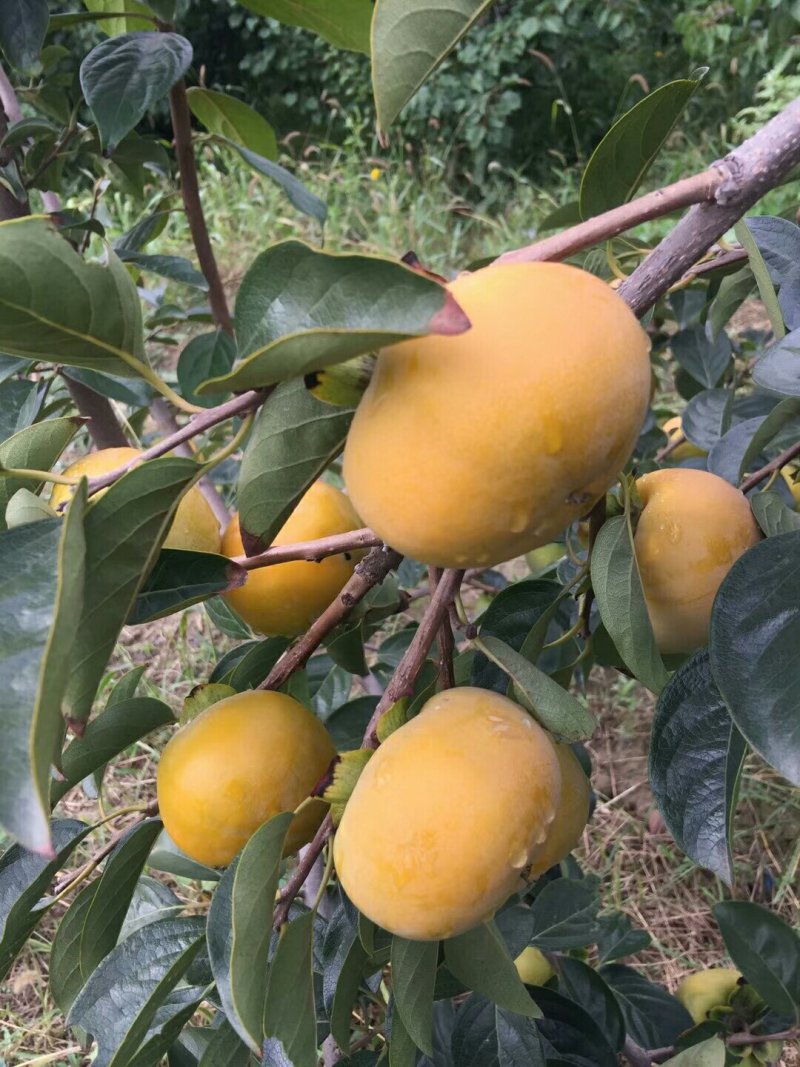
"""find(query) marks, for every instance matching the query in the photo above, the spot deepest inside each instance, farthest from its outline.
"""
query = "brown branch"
(78, 875)
(166, 422)
(190, 191)
(774, 465)
(653, 205)
(302, 871)
(740, 1040)
(402, 681)
(444, 636)
(198, 424)
(103, 426)
(750, 170)
(368, 573)
(311, 551)
(635, 1054)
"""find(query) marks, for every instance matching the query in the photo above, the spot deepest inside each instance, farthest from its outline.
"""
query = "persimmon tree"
(281, 961)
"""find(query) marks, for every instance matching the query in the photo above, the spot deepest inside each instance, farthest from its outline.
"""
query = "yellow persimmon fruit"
(712, 988)
(239, 763)
(673, 428)
(692, 529)
(472, 449)
(572, 813)
(286, 598)
(194, 526)
(448, 815)
(792, 479)
(533, 967)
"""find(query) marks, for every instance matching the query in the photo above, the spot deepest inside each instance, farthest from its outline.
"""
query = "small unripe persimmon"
(572, 813)
(472, 449)
(533, 966)
(448, 815)
(673, 428)
(194, 526)
(239, 763)
(287, 597)
(692, 529)
(712, 988)
(792, 479)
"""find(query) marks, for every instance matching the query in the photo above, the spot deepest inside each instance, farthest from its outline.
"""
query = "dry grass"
(643, 872)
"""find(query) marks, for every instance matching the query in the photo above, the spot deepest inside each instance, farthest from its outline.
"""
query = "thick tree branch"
(671, 198)
(402, 681)
(190, 191)
(103, 426)
(368, 573)
(444, 637)
(751, 170)
(311, 551)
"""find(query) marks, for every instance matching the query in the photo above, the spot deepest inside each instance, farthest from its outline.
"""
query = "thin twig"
(78, 876)
(444, 636)
(103, 426)
(302, 871)
(740, 1040)
(635, 1054)
(311, 551)
(190, 191)
(774, 465)
(402, 681)
(368, 573)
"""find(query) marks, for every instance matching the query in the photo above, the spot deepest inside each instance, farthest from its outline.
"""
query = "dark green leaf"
(556, 709)
(402, 1050)
(347, 724)
(35, 448)
(778, 370)
(239, 928)
(302, 198)
(151, 902)
(772, 514)
(515, 925)
(225, 1049)
(709, 1053)
(481, 961)
(299, 309)
(73, 312)
(209, 355)
(620, 600)
(346, 26)
(618, 939)
(583, 984)
(124, 76)
(570, 1033)
(121, 998)
(10, 365)
(293, 440)
(778, 241)
(622, 159)
(746, 441)
(755, 634)
(174, 268)
(168, 1022)
(487, 1036)
(119, 726)
(179, 579)
(766, 287)
(733, 291)
(414, 966)
(24, 879)
(289, 1013)
(166, 856)
(233, 119)
(124, 530)
(226, 620)
(344, 958)
(567, 215)
(652, 1017)
(254, 666)
(19, 406)
(704, 359)
(410, 38)
(135, 392)
(696, 756)
(23, 25)
(766, 950)
(40, 597)
(565, 914)
(64, 970)
(707, 417)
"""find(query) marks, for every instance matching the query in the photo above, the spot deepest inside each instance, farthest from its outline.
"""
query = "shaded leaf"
(704, 359)
(707, 417)
(225, 1049)
(232, 118)
(618, 939)
(302, 198)
(166, 856)
(124, 76)
(653, 1018)
(710, 1053)
(778, 370)
(208, 355)
(766, 287)
(414, 965)
(23, 25)
(180, 579)
(755, 633)
(487, 1036)
(565, 914)
(174, 268)
(772, 514)
(570, 1033)
(481, 961)
(289, 1013)
(587, 987)
(35, 448)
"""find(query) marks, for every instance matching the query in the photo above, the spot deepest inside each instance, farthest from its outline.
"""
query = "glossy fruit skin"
(701, 992)
(448, 815)
(572, 813)
(673, 428)
(693, 528)
(239, 763)
(286, 598)
(472, 449)
(533, 967)
(194, 527)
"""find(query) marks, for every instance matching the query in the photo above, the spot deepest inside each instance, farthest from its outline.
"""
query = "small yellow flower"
(375, 173)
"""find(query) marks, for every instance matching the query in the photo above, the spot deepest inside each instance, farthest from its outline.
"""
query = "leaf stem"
(38, 476)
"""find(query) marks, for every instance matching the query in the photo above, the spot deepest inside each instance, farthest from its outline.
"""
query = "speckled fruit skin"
(448, 815)
(693, 528)
(472, 449)
(194, 528)
(708, 989)
(285, 599)
(673, 428)
(234, 767)
(572, 813)
(532, 966)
